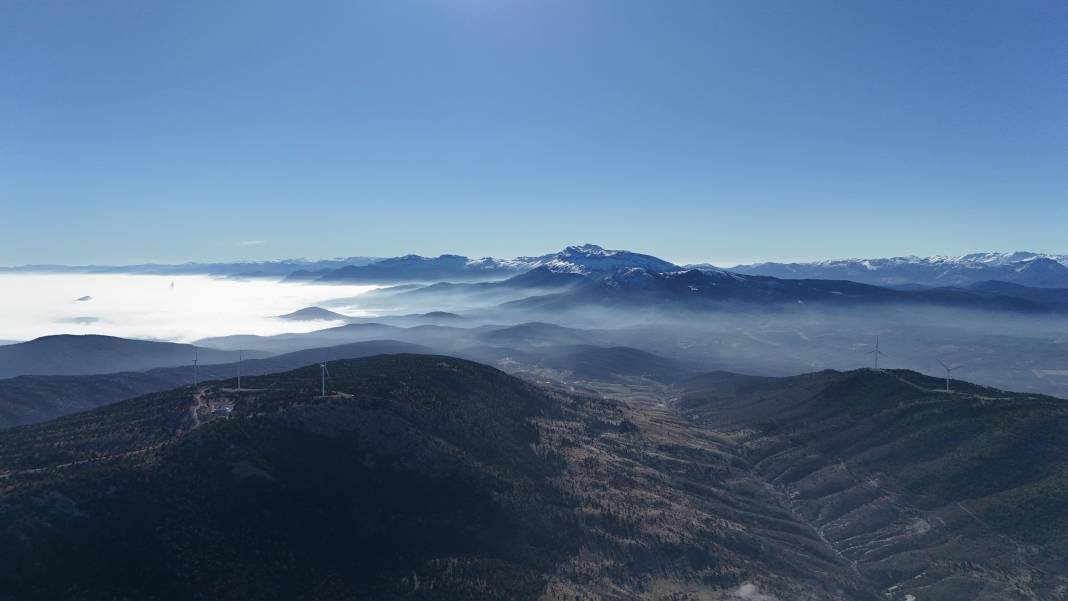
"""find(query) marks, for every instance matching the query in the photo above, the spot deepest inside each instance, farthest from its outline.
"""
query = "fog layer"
(147, 306)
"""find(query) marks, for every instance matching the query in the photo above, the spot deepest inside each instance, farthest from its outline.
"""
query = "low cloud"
(750, 592)
(251, 242)
(82, 320)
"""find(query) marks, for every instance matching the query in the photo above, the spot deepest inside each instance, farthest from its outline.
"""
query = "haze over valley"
(457, 300)
(1000, 334)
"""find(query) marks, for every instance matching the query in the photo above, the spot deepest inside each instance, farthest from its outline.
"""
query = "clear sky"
(693, 130)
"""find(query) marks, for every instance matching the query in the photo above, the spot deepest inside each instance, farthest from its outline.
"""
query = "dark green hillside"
(32, 399)
(136, 424)
(960, 494)
(91, 354)
(430, 477)
(590, 362)
(425, 478)
(418, 477)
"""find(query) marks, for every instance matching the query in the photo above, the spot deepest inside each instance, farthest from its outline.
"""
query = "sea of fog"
(150, 307)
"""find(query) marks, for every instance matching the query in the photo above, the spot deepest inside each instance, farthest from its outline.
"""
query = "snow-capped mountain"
(590, 258)
(416, 268)
(1024, 268)
(585, 259)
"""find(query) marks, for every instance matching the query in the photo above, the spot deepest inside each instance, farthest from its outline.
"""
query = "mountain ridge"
(712, 289)
(350, 496)
(1025, 268)
(71, 354)
(29, 399)
(822, 493)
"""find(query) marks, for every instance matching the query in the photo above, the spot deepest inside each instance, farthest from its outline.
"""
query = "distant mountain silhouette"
(414, 268)
(75, 355)
(32, 399)
(272, 269)
(1052, 297)
(1025, 268)
(582, 260)
(314, 314)
(702, 289)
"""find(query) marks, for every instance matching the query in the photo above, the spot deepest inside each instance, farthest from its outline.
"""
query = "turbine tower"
(196, 360)
(240, 365)
(325, 373)
(949, 370)
(876, 352)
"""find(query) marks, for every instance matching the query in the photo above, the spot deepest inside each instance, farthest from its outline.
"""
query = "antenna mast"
(876, 353)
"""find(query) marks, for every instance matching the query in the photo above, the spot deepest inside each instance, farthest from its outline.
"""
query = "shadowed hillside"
(428, 478)
(943, 495)
(74, 355)
(422, 476)
(417, 477)
(32, 399)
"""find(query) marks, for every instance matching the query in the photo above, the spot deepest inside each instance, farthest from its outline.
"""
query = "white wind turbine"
(876, 352)
(949, 370)
(325, 373)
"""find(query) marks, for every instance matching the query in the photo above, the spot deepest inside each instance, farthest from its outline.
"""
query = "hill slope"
(940, 495)
(32, 399)
(421, 477)
(73, 355)
(436, 478)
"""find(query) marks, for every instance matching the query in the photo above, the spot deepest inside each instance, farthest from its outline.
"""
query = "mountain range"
(244, 269)
(30, 399)
(1024, 268)
(584, 259)
(431, 477)
(718, 289)
(556, 287)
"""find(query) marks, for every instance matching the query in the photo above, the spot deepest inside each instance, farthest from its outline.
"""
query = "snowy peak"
(1025, 268)
(590, 258)
(584, 259)
(998, 259)
(977, 260)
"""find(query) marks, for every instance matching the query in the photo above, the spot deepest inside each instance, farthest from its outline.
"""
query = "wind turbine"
(876, 352)
(196, 360)
(325, 373)
(240, 365)
(949, 370)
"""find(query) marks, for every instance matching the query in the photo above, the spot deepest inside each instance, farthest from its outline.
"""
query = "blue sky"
(693, 130)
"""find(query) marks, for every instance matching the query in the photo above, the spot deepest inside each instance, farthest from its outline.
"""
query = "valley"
(466, 300)
(799, 488)
(588, 429)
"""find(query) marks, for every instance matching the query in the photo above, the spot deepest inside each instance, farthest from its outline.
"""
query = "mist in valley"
(459, 300)
(1014, 351)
